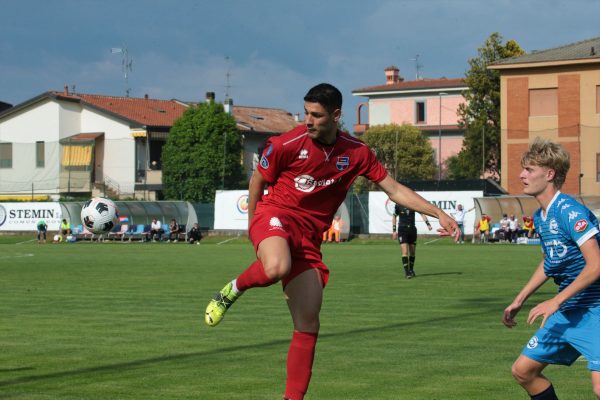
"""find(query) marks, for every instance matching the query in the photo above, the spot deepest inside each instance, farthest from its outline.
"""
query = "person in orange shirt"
(334, 229)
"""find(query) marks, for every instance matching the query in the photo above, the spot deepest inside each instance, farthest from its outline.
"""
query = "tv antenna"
(227, 77)
(126, 65)
(418, 67)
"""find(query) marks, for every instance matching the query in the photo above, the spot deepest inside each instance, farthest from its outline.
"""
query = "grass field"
(125, 321)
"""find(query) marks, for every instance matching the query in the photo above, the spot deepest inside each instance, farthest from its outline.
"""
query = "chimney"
(210, 97)
(146, 96)
(297, 117)
(66, 91)
(392, 75)
(228, 106)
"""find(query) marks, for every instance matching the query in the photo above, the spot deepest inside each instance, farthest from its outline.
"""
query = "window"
(420, 112)
(40, 155)
(598, 99)
(543, 102)
(5, 155)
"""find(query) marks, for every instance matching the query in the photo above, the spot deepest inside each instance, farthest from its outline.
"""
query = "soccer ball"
(98, 215)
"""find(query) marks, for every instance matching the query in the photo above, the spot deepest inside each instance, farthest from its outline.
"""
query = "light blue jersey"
(566, 226)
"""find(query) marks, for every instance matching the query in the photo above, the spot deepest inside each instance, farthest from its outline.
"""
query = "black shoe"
(407, 273)
(412, 273)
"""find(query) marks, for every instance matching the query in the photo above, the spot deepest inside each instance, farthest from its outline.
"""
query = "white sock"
(234, 286)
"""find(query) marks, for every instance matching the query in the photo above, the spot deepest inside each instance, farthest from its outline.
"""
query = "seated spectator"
(173, 231)
(156, 231)
(504, 232)
(334, 230)
(194, 235)
(513, 229)
(65, 229)
(41, 231)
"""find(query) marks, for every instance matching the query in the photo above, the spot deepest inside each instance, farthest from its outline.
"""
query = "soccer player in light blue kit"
(570, 240)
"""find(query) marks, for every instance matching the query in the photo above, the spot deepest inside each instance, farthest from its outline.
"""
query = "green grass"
(125, 321)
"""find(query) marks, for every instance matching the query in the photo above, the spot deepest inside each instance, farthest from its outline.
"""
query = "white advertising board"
(231, 209)
(24, 216)
(381, 210)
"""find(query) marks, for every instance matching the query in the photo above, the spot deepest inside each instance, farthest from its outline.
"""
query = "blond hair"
(545, 153)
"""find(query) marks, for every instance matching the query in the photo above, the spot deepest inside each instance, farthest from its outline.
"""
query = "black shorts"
(407, 235)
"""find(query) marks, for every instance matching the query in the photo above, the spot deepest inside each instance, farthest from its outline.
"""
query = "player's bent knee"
(521, 375)
(276, 268)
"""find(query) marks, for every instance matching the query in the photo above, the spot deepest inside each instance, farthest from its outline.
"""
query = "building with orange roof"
(62, 143)
(429, 104)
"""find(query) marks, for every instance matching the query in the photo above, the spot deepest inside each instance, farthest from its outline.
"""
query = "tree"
(404, 151)
(480, 116)
(202, 154)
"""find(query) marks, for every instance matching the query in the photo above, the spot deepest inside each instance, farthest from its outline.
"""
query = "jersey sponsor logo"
(555, 249)
(342, 162)
(306, 183)
(303, 154)
(573, 215)
(580, 225)
(560, 202)
(264, 162)
(553, 226)
(533, 342)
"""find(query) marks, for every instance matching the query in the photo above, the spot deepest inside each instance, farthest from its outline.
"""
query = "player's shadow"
(482, 309)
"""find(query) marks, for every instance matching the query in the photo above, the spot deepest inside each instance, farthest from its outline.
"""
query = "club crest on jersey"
(264, 162)
(580, 225)
(303, 154)
(342, 163)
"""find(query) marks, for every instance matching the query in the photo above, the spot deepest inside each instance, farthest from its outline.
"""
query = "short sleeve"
(579, 223)
(270, 160)
(374, 171)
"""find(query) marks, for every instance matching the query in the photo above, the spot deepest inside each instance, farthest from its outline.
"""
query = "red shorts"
(305, 243)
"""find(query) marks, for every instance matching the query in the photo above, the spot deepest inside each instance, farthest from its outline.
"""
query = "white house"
(61, 143)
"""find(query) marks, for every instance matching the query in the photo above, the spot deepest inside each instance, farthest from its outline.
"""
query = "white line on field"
(434, 240)
(27, 241)
(17, 256)
(228, 240)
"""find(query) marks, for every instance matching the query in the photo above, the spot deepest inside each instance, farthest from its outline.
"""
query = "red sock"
(299, 364)
(253, 276)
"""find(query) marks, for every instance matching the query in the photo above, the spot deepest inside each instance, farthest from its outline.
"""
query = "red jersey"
(311, 179)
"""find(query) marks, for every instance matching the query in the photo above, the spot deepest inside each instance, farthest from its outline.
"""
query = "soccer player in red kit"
(309, 171)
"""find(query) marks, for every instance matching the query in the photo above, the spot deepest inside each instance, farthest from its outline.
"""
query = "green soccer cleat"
(218, 306)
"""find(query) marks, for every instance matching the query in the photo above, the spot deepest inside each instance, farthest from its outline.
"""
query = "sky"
(272, 50)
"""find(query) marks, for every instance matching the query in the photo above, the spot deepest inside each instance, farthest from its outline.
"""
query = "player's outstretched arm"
(406, 197)
(588, 275)
(537, 279)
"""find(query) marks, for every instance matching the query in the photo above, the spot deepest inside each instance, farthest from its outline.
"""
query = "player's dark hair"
(326, 95)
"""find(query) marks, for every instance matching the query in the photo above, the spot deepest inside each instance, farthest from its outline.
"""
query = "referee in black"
(404, 220)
